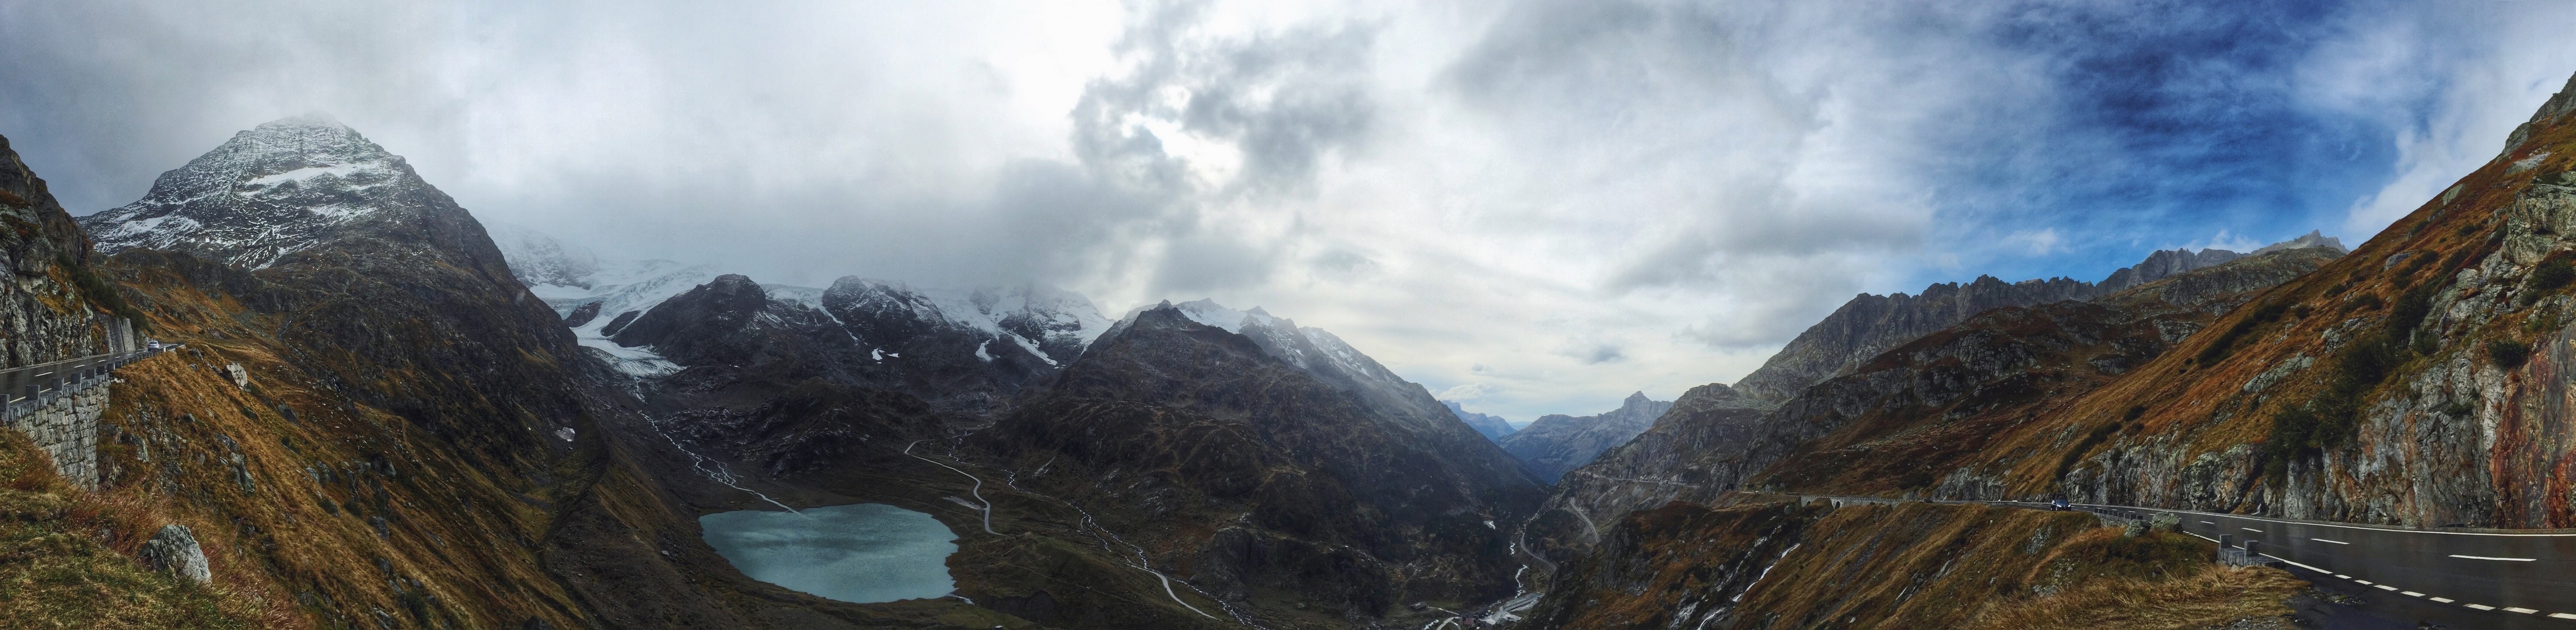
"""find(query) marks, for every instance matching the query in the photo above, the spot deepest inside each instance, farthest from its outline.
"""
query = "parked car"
(2058, 505)
(153, 346)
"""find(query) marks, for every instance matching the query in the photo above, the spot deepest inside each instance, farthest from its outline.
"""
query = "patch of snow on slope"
(640, 362)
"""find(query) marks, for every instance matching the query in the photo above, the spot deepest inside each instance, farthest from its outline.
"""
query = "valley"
(373, 410)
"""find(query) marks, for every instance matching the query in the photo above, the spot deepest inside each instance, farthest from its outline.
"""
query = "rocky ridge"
(1493, 427)
(1878, 427)
(1263, 466)
(1557, 443)
(1870, 324)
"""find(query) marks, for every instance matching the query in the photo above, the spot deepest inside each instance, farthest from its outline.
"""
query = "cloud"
(1549, 203)
(1470, 391)
(2039, 242)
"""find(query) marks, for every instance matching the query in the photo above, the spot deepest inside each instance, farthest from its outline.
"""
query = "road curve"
(977, 491)
(2497, 578)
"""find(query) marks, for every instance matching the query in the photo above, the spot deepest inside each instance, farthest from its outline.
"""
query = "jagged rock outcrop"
(1244, 461)
(1557, 443)
(1493, 427)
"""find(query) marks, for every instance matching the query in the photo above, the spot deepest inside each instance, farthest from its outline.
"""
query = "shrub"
(2100, 433)
(2552, 274)
(2226, 341)
(2508, 353)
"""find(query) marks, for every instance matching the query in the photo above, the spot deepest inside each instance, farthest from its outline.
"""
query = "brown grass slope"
(1914, 565)
(353, 515)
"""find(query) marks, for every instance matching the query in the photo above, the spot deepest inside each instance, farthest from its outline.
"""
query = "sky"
(1529, 206)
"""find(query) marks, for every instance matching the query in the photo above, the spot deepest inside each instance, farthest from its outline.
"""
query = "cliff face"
(1262, 481)
(49, 309)
(1558, 443)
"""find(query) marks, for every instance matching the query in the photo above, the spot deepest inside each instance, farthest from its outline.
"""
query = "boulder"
(174, 550)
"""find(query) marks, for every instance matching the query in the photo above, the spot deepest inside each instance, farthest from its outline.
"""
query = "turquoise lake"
(862, 553)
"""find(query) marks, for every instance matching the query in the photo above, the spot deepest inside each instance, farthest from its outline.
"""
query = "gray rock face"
(1558, 443)
(1493, 427)
(49, 239)
(174, 550)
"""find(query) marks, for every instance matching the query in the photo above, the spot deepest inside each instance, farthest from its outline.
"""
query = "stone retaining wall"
(65, 424)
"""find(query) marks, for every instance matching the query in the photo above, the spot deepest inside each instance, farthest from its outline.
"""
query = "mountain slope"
(1885, 426)
(1557, 443)
(1870, 324)
(1266, 472)
(2415, 382)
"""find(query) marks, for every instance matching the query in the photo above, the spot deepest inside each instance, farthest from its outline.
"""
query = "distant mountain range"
(1491, 426)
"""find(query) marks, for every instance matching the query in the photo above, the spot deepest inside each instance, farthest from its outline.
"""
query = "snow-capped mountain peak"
(276, 189)
(1313, 350)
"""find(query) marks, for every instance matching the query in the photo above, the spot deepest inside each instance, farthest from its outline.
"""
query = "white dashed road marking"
(2525, 611)
(2209, 522)
(2562, 615)
(2330, 541)
(2445, 600)
(2250, 529)
(2489, 558)
(2479, 606)
(2414, 594)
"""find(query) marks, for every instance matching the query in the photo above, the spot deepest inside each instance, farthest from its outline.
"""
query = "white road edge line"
(2295, 563)
(2340, 526)
(2250, 529)
(2490, 558)
(2330, 541)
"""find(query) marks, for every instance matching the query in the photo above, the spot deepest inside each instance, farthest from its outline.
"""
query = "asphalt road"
(2455, 578)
